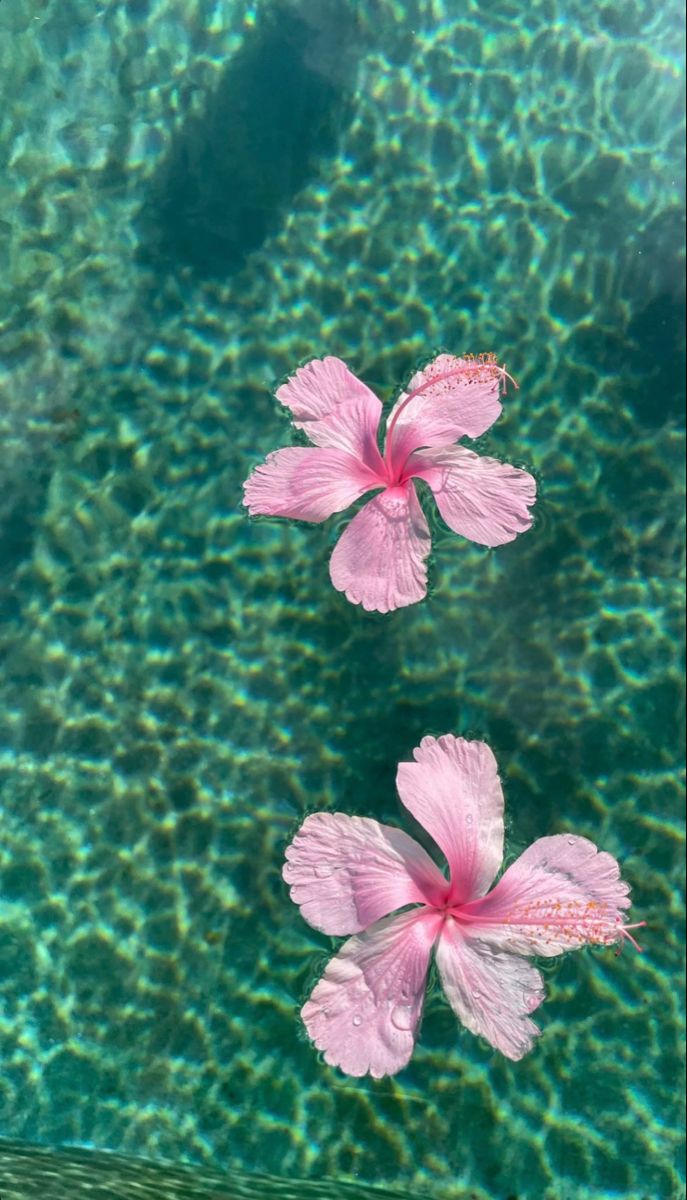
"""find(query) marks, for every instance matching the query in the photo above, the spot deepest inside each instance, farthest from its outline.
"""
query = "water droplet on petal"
(357, 1020)
(402, 1017)
(477, 995)
(468, 819)
(571, 841)
(322, 871)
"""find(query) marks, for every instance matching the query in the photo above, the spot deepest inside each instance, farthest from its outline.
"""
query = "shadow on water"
(32, 445)
(278, 110)
(658, 354)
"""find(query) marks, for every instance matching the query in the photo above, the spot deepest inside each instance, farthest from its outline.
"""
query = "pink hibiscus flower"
(380, 559)
(347, 873)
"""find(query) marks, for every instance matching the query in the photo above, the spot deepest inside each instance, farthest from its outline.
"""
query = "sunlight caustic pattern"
(380, 560)
(348, 873)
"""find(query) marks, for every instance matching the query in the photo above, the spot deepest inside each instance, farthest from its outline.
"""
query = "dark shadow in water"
(17, 527)
(279, 108)
(658, 353)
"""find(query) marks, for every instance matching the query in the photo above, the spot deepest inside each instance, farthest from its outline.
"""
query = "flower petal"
(319, 387)
(306, 483)
(450, 398)
(454, 791)
(347, 872)
(492, 993)
(479, 497)
(560, 894)
(379, 561)
(364, 1011)
(335, 409)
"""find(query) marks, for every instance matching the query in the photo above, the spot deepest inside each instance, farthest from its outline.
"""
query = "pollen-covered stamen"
(573, 921)
(481, 368)
(471, 368)
(624, 935)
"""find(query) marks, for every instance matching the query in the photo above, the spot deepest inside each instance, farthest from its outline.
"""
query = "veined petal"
(481, 498)
(492, 993)
(335, 409)
(347, 872)
(560, 894)
(352, 427)
(379, 560)
(363, 1013)
(450, 398)
(454, 791)
(306, 483)
(317, 388)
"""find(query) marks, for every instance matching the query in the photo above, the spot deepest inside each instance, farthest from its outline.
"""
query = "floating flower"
(380, 559)
(347, 873)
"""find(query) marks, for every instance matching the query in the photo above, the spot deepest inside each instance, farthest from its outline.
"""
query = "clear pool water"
(196, 195)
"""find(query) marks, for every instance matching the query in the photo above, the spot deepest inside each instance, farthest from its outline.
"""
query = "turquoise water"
(197, 195)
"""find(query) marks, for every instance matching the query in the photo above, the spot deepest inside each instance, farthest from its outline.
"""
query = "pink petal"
(306, 483)
(335, 409)
(478, 497)
(347, 872)
(454, 791)
(560, 894)
(379, 561)
(316, 389)
(364, 1011)
(454, 397)
(492, 993)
